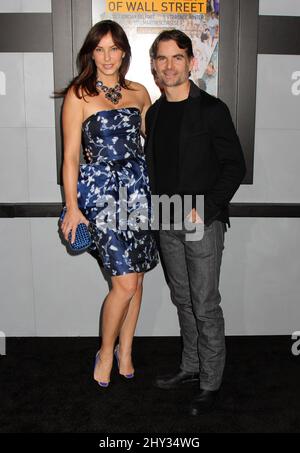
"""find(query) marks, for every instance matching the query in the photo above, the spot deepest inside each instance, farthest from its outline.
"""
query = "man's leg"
(203, 263)
(173, 251)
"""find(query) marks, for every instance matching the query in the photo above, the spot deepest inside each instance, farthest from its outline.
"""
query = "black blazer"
(211, 160)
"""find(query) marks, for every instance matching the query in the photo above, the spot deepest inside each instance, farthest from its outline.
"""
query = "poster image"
(143, 20)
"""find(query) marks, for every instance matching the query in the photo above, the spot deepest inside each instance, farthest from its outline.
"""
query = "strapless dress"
(113, 192)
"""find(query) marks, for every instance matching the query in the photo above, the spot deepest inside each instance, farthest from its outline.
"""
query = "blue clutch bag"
(82, 237)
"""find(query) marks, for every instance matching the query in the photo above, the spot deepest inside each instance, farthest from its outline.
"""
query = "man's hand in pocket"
(194, 217)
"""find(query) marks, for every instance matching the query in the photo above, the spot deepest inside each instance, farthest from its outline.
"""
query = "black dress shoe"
(204, 402)
(172, 381)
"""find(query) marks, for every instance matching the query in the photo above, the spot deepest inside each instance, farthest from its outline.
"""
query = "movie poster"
(143, 20)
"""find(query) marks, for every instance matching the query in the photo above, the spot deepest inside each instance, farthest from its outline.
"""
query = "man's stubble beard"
(178, 82)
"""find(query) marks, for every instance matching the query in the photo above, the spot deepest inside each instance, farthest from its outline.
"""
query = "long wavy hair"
(85, 81)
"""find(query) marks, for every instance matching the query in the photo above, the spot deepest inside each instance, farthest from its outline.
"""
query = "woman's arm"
(72, 117)
(146, 102)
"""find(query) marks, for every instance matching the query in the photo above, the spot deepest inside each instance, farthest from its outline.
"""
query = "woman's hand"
(88, 155)
(72, 218)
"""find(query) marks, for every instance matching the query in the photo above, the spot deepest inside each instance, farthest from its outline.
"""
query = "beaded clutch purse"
(82, 237)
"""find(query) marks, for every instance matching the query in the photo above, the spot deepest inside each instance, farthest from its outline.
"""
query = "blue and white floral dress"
(113, 192)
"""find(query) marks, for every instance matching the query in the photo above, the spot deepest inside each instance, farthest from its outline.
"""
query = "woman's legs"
(128, 328)
(115, 310)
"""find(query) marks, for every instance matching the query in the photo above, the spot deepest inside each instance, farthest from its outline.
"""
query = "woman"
(109, 110)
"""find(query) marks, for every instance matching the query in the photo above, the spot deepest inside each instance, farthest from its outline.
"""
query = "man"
(192, 149)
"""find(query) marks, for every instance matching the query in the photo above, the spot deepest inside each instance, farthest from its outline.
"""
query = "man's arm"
(230, 155)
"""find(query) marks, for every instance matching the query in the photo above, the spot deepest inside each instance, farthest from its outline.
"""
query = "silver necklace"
(113, 94)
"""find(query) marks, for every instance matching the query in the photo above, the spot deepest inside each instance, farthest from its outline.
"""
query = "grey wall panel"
(279, 7)
(277, 134)
(82, 22)
(25, 6)
(11, 6)
(36, 6)
(39, 86)
(12, 102)
(277, 103)
(260, 277)
(17, 300)
(237, 70)
(276, 164)
(31, 32)
(77, 14)
(158, 315)
(14, 165)
(228, 54)
(247, 70)
(259, 283)
(62, 63)
(69, 289)
(42, 165)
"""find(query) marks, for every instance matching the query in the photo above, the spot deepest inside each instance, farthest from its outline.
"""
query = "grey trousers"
(193, 270)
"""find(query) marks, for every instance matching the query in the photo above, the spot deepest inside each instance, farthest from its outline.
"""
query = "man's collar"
(194, 90)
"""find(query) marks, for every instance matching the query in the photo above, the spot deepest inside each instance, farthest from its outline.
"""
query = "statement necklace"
(112, 94)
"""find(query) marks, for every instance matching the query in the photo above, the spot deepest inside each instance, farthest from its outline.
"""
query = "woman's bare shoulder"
(77, 97)
(74, 104)
(78, 93)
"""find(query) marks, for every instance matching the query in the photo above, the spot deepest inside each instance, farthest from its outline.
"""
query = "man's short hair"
(181, 39)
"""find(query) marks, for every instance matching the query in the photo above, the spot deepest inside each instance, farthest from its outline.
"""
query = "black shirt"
(166, 151)
(166, 146)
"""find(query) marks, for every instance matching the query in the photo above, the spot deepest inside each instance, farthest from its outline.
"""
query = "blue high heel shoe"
(102, 384)
(116, 353)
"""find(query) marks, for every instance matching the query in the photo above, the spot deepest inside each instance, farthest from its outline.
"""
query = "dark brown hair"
(181, 39)
(87, 70)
